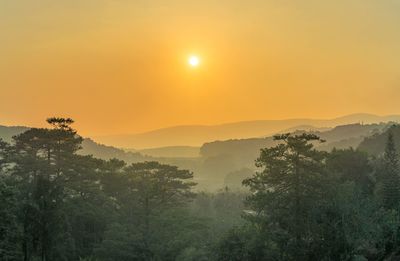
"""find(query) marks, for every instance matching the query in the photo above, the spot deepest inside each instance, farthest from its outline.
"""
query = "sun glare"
(194, 61)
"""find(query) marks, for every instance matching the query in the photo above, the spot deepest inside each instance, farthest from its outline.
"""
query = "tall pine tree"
(391, 178)
(287, 191)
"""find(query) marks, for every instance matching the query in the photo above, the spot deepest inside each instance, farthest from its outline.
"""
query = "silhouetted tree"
(44, 159)
(288, 190)
(150, 198)
(391, 178)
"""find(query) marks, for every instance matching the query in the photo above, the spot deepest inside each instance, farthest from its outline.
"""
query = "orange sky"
(121, 66)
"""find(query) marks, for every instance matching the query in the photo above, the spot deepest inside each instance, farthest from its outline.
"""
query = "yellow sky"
(121, 66)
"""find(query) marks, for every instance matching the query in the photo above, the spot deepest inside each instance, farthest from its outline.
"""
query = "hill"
(228, 158)
(172, 152)
(340, 137)
(196, 135)
(375, 144)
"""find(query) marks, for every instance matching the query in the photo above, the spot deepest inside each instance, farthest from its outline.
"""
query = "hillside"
(172, 152)
(196, 135)
(350, 135)
(340, 137)
(90, 147)
(375, 145)
(223, 158)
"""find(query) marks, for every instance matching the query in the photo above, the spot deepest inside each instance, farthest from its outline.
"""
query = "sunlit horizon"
(122, 67)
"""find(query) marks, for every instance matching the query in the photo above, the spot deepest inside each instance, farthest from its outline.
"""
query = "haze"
(121, 66)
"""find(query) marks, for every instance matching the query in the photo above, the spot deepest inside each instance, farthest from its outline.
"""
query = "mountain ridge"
(199, 134)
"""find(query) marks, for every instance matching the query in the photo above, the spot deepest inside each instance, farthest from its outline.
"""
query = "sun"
(194, 61)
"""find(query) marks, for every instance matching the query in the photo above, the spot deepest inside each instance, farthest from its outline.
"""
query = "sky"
(121, 66)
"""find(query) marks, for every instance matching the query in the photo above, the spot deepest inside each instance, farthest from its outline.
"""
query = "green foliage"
(221, 211)
(247, 243)
(351, 165)
(119, 244)
(303, 204)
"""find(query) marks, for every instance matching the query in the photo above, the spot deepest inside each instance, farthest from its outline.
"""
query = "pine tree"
(288, 189)
(391, 178)
(44, 165)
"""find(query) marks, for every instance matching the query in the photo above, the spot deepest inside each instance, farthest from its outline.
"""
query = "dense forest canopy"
(301, 204)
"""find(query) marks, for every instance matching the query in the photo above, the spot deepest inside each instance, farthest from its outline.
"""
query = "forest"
(301, 203)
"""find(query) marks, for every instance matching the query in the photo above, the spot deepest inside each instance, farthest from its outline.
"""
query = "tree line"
(302, 204)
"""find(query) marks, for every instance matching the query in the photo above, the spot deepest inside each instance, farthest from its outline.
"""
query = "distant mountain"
(305, 128)
(350, 135)
(172, 152)
(196, 135)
